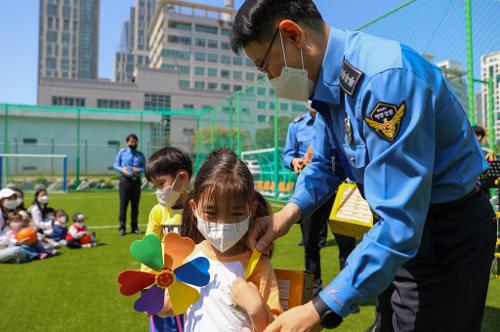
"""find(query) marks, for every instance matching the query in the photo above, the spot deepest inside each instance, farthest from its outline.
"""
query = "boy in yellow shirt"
(170, 170)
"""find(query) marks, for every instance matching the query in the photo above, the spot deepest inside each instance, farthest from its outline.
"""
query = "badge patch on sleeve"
(385, 119)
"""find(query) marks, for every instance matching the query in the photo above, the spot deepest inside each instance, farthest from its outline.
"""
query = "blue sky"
(19, 37)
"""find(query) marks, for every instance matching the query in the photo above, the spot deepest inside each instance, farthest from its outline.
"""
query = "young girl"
(38, 210)
(59, 229)
(170, 170)
(223, 205)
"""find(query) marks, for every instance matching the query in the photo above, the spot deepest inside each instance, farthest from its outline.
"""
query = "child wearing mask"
(78, 235)
(223, 205)
(59, 229)
(170, 170)
(30, 245)
(38, 210)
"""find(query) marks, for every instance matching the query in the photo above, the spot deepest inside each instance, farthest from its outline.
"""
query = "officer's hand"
(125, 171)
(267, 229)
(298, 319)
(298, 164)
(135, 170)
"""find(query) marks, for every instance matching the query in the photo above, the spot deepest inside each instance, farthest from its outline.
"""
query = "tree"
(264, 137)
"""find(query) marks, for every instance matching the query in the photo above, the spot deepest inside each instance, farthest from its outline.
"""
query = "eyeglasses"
(264, 59)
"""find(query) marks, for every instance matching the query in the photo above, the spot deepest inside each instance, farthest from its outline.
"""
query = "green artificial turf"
(78, 291)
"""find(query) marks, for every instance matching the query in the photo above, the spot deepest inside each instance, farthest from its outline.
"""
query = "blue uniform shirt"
(298, 138)
(410, 145)
(128, 158)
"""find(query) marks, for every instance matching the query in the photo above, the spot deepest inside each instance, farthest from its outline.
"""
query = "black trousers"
(312, 229)
(130, 191)
(444, 287)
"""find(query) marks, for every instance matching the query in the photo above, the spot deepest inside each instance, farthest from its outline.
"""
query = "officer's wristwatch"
(329, 318)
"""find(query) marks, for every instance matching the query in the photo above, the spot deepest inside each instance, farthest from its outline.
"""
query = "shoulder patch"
(350, 77)
(386, 119)
(298, 118)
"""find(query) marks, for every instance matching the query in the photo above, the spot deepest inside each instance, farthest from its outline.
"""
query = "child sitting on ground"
(59, 229)
(223, 205)
(170, 170)
(78, 236)
(26, 237)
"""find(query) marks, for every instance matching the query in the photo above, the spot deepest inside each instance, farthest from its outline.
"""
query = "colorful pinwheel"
(170, 273)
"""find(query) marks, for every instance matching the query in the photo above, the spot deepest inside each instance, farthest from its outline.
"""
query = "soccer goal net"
(29, 171)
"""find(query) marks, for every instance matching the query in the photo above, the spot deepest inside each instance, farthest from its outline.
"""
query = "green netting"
(455, 34)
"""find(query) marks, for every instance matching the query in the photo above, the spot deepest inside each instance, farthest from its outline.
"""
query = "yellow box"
(351, 215)
(295, 287)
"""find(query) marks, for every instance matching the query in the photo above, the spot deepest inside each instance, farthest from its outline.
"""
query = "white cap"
(6, 192)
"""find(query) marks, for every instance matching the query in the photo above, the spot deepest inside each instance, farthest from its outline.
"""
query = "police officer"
(393, 125)
(314, 228)
(130, 164)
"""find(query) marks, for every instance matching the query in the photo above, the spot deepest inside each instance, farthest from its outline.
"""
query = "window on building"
(298, 108)
(249, 62)
(153, 101)
(225, 87)
(225, 59)
(51, 36)
(225, 73)
(250, 76)
(199, 85)
(30, 141)
(52, 10)
(199, 71)
(179, 25)
(212, 72)
(200, 42)
(271, 105)
(183, 84)
(206, 29)
(225, 32)
(237, 75)
(225, 45)
(237, 88)
(199, 56)
(271, 92)
(188, 106)
(261, 105)
(261, 91)
(213, 58)
(68, 101)
(114, 104)
(261, 118)
(176, 54)
(213, 43)
(179, 40)
(184, 69)
(284, 107)
(212, 86)
(237, 60)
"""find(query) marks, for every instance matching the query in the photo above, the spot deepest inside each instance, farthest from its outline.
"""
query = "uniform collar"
(308, 117)
(328, 85)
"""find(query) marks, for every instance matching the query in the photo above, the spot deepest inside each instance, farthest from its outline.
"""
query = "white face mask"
(44, 199)
(222, 236)
(16, 225)
(168, 197)
(19, 201)
(293, 83)
(79, 224)
(10, 204)
(63, 219)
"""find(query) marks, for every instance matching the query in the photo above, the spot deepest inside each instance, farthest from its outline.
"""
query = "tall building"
(455, 75)
(68, 39)
(134, 49)
(490, 67)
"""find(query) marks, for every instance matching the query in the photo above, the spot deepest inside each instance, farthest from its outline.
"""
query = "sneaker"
(42, 255)
(52, 252)
(121, 232)
(136, 231)
(88, 245)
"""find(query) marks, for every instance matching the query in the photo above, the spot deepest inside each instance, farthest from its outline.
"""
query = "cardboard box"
(295, 287)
